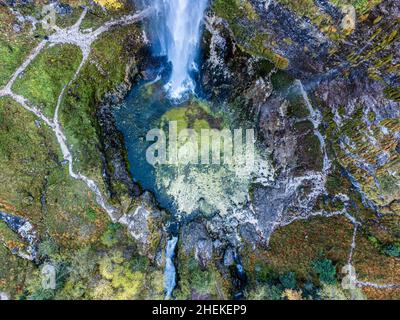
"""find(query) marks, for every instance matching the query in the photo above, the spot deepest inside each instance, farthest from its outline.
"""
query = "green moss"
(392, 93)
(69, 19)
(335, 181)
(301, 7)
(31, 172)
(371, 116)
(297, 107)
(45, 77)
(257, 46)
(105, 70)
(361, 6)
(24, 159)
(281, 80)
(110, 237)
(236, 12)
(14, 272)
(12, 54)
(308, 8)
(326, 270)
(195, 281)
(91, 214)
(14, 48)
(233, 9)
(97, 16)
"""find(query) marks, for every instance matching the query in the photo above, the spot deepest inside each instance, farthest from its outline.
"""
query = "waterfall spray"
(176, 31)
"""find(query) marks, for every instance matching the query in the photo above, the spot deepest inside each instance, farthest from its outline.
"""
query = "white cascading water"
(170, 270)
(177, 30)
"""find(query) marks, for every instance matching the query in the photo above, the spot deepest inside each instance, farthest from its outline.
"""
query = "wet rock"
(63, 9)
(13, 3)
(382, 158)
(229, 257)
(204, 251)
(220, 74)
(330, 9)
(26, 232)
(196, 240)
(349, 20)
(16, 28)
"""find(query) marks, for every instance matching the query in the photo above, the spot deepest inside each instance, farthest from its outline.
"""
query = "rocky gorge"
(319, 82)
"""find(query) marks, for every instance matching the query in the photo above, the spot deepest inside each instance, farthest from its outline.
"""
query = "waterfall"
(176, 33)
(170, 271)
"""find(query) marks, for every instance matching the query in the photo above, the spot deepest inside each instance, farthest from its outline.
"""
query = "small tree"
(326, 271)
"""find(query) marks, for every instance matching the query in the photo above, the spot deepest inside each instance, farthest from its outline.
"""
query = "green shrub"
(326, 271)
(288, 280)
(392, 250)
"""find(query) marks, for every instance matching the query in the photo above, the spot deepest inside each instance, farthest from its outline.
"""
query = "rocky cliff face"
(301, 106)
(320, 83)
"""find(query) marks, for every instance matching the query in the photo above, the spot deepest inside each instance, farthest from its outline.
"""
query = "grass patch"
(45, 77)
(36, 185)
(14, 47)
(104, 71)
(14, 272)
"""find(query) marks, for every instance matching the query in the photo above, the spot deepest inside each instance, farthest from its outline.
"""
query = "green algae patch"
(45, 77)
(195, 115)
(203, 179)
(178, 115)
